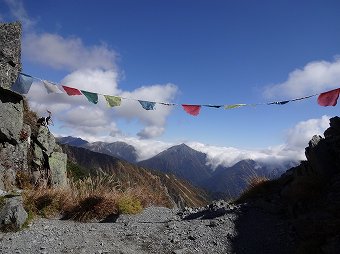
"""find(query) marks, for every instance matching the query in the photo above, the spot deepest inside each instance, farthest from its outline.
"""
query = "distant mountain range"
(189, 164)
(117, 149)
(179, 192)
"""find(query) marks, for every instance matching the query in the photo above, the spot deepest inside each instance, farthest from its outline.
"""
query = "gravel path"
(218, 229)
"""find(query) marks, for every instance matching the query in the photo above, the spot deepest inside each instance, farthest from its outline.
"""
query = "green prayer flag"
(234, 106)
(113, 101)
(91, 97)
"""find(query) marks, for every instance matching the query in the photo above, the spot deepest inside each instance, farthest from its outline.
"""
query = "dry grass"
(90, 199)
(30, 117)
(23, 180)
(256, 181)
(257, 186)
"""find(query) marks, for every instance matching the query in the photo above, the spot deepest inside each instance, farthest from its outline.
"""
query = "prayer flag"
(51, 88)
(234, 106)
(329, 98)
(91, 97)
(192, 109)
(213, 106)
(71, 91)
(278, 102)
(148, 105)
(23, 84)
(113, 101)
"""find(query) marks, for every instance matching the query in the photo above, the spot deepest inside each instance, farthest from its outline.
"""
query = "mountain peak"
(180, 147)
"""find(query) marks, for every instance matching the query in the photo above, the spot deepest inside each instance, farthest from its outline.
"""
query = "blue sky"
(195, 52)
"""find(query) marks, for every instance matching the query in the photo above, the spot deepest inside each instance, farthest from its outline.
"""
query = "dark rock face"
(10, 53)
(309, 195)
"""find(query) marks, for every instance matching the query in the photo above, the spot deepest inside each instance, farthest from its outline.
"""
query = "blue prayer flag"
(23, 84)
(148, 105)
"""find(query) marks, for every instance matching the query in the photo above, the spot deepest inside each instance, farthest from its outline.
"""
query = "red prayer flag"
(71, 91)
(329, 98)
(192, 109)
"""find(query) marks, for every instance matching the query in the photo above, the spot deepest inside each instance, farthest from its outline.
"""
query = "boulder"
(320, 155)
(7, 179)
(57, 163)
(10, 52)
(12, 213)
(11, 116)
(46, 140)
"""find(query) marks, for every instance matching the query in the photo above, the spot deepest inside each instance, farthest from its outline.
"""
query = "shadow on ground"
(258, 231)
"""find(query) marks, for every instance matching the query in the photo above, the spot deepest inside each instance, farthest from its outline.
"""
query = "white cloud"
(94, 80)
(56, 51)
(293, 149)
(315, 77)
(297, 138)
(145, 148)
(150, 132)
(66, 53)
(84, 118)
(93, 68)
(18, 11)
(157, 93)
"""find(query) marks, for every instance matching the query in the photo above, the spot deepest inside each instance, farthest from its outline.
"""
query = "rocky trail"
(217, 228)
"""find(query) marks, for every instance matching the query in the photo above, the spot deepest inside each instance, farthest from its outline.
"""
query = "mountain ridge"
(181, 193)
(191, 165)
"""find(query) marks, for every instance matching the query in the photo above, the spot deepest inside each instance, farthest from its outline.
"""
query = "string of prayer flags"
(91, 97)
(302, 98)
(24, 81)
(329, 98)
(113, 101)
(51, 88)
(167, 104)
(71, 91)
(23, 84)
(148, 105)
(234, 106)
(192, 109)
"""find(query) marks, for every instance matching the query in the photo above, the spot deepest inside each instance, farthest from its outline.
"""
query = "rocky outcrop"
(21, 150)
(57, 163)
(308, 195)
(24, 145)
(10, 52)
